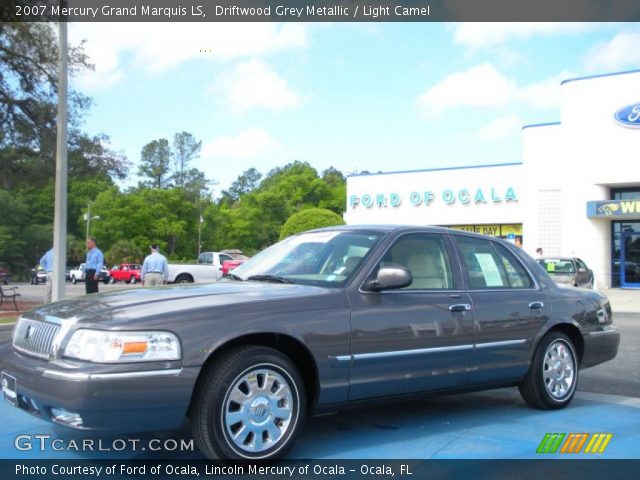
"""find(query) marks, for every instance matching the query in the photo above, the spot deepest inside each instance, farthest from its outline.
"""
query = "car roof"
(391, 228)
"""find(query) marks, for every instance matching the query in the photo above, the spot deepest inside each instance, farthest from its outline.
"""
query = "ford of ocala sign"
(629, 116)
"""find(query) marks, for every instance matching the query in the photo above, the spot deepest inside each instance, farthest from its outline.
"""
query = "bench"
(9, 294)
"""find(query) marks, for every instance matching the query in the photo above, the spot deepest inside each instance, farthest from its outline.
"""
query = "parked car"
(316, 322)
(77, 275)
(38, 275)
(126, 272)
(5, 277)
(568, 271)
(208, 268)
(238, 259)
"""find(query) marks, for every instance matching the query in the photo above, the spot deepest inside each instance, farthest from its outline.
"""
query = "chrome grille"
(35, 338)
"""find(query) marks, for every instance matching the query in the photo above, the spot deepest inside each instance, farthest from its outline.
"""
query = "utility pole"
(88, 218)
(200, 234)
(60, 209)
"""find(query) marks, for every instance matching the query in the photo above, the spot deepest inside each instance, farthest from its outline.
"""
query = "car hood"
(148, 301)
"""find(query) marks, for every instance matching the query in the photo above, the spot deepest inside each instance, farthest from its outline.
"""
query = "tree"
(124, 251)
(245, 183)
(155, 162)
(185, 149)
(309, 219)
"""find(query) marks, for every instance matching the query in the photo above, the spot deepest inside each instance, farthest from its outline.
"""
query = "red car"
(126, 272)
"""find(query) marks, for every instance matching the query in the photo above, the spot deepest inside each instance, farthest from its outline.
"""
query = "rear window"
(557, 266)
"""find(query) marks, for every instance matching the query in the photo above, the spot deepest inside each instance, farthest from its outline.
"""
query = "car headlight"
(102, 346)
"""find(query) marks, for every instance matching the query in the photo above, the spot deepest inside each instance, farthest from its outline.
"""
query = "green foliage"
(124, 251)
(308, 220)
(155, 163)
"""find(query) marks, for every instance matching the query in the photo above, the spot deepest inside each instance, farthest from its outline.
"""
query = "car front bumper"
(117, 398)
(600, 345)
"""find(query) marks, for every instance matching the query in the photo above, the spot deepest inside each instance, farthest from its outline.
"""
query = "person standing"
(46, 262)
(155, 270)
(92, 266)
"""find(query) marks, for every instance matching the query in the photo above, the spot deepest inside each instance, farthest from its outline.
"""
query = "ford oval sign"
(629, 116)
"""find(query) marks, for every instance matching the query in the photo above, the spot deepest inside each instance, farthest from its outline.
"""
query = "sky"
(355, 96)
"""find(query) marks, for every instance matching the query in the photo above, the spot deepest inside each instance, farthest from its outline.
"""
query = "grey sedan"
(568, 271)
(320, 321)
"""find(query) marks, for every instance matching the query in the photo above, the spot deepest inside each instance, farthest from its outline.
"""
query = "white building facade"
(576, 191)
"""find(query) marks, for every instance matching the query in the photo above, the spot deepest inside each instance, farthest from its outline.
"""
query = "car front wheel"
(553, 375)
(73, 280)
(249, 405)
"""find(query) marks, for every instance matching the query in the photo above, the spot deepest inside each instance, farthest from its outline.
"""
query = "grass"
(8, 319)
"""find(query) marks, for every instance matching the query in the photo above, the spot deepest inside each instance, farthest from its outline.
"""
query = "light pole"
(88, 218)
(60, 203)
(200, 234)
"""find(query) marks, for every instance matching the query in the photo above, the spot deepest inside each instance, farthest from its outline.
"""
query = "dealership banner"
(319, 10)
(322, 469)
(614, 209)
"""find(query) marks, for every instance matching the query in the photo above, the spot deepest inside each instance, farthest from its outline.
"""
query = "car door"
(508, 309)
(583, 274)
(414, 339)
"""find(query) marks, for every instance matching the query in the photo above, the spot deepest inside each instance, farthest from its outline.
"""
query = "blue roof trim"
(435, 169)
(599, 76)
(548, 124)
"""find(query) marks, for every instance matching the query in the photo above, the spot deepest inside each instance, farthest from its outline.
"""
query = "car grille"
(35, 338)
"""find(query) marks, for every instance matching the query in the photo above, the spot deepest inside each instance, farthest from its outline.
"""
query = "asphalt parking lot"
(492, 424)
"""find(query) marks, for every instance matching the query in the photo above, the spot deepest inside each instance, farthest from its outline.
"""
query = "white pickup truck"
(207, 269)
(77, 275)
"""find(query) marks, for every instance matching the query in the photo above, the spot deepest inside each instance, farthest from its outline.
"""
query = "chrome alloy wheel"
(258, 410)
(559, 369)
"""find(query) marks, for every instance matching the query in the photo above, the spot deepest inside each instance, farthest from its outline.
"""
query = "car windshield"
(324, 258)
(557, 266)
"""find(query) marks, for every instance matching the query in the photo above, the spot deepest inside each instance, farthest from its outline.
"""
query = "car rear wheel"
(553, 375)
(184, 279)
(249, 404)
(73, 279)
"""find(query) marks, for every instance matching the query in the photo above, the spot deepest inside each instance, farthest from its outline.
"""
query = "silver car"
(568, 271)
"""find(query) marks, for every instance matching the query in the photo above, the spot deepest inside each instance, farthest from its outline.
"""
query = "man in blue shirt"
(46, 262)
(92, 266)
(155, 270)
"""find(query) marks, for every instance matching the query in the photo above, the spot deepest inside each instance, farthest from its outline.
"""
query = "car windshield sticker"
(551, 267)
(490, 270)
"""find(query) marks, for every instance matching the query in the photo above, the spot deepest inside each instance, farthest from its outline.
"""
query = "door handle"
(536, 305)
(459, 307)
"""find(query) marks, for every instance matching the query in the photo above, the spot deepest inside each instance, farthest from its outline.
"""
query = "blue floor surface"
(486, 425)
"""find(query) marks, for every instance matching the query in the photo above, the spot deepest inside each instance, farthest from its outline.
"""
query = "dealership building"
(575, 192)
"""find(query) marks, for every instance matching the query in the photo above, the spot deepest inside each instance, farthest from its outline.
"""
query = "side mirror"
(390, 278)
(582, 270)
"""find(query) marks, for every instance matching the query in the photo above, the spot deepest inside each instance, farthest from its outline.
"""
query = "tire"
(105, 280)
(552, 378)
(213, 410)
(73, 279)
(133, 280)
(184, 279)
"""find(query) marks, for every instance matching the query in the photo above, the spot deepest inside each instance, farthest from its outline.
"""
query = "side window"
(581, 264)
(425, 256)
(490, 267)
(517, 276)
(205, 258)
(224, 258)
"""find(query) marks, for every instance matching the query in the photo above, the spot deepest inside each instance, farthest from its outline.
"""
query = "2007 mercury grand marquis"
(318, 321)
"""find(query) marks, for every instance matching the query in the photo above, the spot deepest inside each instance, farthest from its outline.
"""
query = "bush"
(308, 220)
(124, 251)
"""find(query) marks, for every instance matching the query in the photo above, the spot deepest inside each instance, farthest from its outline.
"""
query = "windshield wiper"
(233, 276)
(269, 278)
